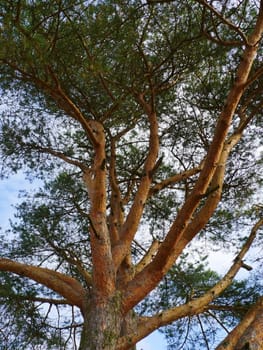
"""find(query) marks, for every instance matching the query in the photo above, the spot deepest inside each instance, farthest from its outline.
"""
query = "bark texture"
(104, 324)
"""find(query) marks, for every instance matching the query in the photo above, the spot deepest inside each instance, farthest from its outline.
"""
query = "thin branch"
(225, 20)
(72, 260)
(147, 258)
(37, 299)
(175, 179)
(203, 332)
(218, 321)
(57, 154)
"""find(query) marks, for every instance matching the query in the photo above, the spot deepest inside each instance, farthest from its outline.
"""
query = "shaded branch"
(225, 21)
(37, 299)
(72, 260)
(57, 154)
(147, 258)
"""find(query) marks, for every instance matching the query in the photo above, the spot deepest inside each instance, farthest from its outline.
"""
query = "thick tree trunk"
(104, 324)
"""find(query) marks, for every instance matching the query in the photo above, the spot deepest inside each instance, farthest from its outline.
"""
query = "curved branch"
(225, 21)
(57, 154)
(60, 283)
(194, 306)
(130, 226)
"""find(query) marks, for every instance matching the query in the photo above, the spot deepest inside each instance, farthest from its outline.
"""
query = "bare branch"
(64, 285)
(175, 179)
(147, 258)
(225, 21)
(131, 223)
(39, 299)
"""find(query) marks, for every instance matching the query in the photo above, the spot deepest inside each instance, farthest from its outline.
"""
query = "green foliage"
(25, 323)
(101, 54)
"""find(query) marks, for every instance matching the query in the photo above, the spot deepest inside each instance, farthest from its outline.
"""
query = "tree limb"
(167, 252)
(130, 226)
(235, 336)
(194, 306)
(174, 179)
(64, 285)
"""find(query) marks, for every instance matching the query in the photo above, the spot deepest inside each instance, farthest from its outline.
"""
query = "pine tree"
(142, 122)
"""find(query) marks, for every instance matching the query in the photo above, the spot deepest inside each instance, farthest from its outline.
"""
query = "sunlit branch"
(95, 179)
(194, 306)
(147, 258)
(167, 253)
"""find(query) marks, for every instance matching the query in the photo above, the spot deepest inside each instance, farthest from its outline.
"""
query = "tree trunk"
(103, 324)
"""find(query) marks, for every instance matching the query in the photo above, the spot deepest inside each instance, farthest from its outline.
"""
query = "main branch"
(165, 257)
(64, 285)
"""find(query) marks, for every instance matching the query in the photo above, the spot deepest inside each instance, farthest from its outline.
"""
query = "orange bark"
(64, 285)
(248, 334)
(166, 254)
